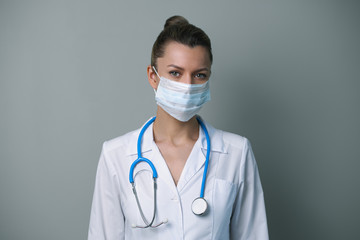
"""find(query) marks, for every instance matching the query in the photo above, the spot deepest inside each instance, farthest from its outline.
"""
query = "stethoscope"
(199, 205)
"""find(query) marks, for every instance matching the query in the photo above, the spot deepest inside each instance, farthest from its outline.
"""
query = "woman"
(205, 181)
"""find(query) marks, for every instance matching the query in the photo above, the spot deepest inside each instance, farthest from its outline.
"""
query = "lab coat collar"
(146, 143)
(216, 139)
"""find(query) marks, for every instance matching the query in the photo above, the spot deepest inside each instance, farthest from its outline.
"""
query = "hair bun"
(175, 20)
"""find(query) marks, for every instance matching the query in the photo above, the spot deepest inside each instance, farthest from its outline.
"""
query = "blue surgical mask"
(182, 101)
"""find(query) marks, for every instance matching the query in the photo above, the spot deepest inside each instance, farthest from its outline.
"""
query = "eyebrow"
(180, 68)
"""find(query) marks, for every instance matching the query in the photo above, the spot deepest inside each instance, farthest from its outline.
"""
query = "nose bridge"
(188, 78)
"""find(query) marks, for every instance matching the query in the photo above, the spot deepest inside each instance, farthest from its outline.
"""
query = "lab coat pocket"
(223, 199)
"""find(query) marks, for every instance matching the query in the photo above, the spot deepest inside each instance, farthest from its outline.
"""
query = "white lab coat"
(233, 191)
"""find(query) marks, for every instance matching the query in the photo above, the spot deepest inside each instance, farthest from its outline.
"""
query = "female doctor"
(177, 177)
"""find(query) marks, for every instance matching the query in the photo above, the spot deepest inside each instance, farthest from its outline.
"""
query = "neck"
(166, 128)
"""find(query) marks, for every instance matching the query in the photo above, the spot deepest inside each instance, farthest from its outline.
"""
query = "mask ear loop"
(157, 75)
(156, 71)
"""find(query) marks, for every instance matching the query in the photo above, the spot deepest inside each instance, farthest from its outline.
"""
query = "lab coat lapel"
(194, 162)
(197, 158)
(162, 169)
(150, 150)
(163, 172)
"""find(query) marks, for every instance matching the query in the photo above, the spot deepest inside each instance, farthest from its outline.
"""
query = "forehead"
(185, 56)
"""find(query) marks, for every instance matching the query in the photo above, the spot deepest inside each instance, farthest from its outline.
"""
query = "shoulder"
(236, 142)
(227, 140)
(233, 139)
(123, 142)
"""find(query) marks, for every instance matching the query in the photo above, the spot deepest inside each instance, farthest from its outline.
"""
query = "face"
(182, 63)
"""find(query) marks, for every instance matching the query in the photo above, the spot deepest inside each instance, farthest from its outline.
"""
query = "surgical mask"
(182, 101)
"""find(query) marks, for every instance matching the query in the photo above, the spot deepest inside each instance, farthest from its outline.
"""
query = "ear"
(152, 77)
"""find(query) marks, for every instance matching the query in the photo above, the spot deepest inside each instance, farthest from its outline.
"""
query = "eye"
(174, 73)
(200, 75)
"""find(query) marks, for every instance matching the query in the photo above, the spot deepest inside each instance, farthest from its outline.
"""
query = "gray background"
(285, 75)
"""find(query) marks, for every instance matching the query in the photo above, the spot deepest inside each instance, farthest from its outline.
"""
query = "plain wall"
(285, 75)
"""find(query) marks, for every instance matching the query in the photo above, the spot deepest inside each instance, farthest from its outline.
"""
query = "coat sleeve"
(249, 216)
(106, 218)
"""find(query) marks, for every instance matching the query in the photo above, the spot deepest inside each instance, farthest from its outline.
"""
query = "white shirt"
(233, 191)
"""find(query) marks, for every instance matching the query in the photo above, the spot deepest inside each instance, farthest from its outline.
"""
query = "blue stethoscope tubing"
(199, 204)
(140, 158)
(207, 156)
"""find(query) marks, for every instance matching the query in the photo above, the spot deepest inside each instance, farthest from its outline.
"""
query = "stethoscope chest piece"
(199, 206)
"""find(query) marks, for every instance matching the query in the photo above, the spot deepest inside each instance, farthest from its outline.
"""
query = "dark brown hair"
(178, 29)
